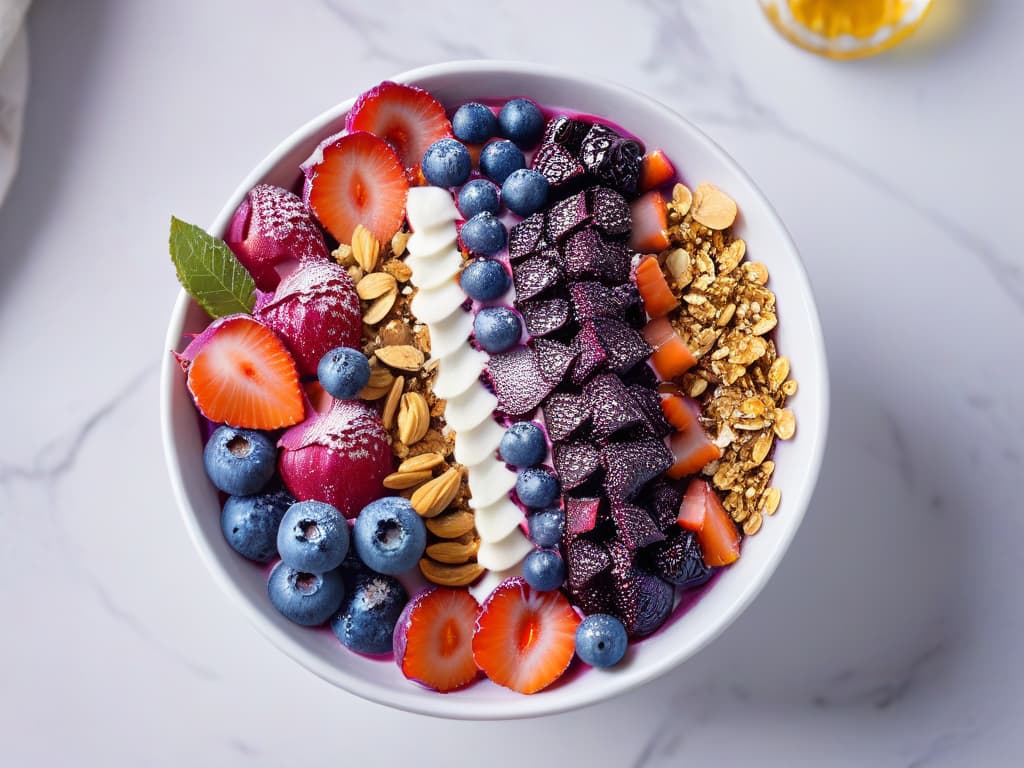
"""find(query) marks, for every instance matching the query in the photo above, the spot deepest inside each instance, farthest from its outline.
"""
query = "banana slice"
(496, 521)
(489, 481)
(478, 444)
(465, 411)
(501, 555)
(433, 304)
(458, 372)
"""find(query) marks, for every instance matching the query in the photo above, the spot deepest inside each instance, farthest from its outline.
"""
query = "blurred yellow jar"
(846, 29)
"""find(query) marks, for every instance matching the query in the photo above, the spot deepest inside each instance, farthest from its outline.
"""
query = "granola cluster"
(726, 317)
(401, 376)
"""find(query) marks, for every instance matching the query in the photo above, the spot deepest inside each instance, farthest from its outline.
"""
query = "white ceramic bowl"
(798, 460)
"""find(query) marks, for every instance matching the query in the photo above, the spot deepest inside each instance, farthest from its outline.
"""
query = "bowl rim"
(517, 706)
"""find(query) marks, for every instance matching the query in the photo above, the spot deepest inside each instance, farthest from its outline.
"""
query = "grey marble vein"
(374, 32)
(851, 688)
(940, 746)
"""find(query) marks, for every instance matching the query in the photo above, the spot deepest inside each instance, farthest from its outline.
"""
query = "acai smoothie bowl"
(493, 391)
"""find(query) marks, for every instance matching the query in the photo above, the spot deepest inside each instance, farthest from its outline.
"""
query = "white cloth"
(13, 86)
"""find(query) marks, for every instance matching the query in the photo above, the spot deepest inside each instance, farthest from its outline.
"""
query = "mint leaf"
(209, 271)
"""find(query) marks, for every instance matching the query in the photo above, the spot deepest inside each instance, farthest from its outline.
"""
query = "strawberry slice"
(524, 639)
(671, 356)
(434, 639)
(239, 373)
(357, 179)
(689, 445)
(702, 512)
(650, 223)
(655, 169)
(653, 287)
(407, 118)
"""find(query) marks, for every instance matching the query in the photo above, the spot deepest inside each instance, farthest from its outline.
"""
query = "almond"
(433, 498)
(398, 242)
(713, 208)
(450, 575)
(400, 481)
(365, 248)
(404, 357)
(375, 285)
(453, 552)
(451, 525)
(413, 418)
(380, 307)
(391, 404)
(421, 462)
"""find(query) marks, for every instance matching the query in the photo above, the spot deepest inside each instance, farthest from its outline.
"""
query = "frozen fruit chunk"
(634, 525)
(623, 346)
(517, 381)
(678, 560)
(566, 132)
(575, 463)
(527, 237)
(642, 376)
(554, 359)
(689, 445)
(592, 299)
(661, 498)
(544, 316)
(566, 216)
(610, 211)
(611, 405)
(612, 158)
(703, 513)
(592, 355)
(535, 275)
(671, 357)
(587, 254)
(271, 231)
(644, 603)
(655, 169)
(564, 414)
(581, 514)
(650, 281)
(596, 597)
(650, 223)
(585, 560)
(649, 402)
(559, 166)
(629, 465)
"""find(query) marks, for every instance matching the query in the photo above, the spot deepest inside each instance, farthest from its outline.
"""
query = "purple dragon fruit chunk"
(642, 376)
(585, 560)
(623, 346)
(566, 132)
(589, 255)
(271, 232)
(612, 407)
(575, 463)
(630, 465)
(559, 166)
(535, 275)
(644, 603)
(566, 216)
(581, 514)
(527, 237)
(678, 560)
(610, 211)
(649, 402)
(554, 359)
(662, 499)
(596, 597)
(544, 316)
(612, 158)
(592, 354)
(634, 525)
(517, 381)
(564, 414)
(592, 299)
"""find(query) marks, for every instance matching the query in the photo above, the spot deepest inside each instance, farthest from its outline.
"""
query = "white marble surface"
(889, 635)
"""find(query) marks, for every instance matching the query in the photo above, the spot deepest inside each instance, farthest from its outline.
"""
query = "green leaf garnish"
(209, 271)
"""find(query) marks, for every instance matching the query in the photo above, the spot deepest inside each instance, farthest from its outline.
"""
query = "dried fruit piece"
(703, 513)
(671, 357)
(655, 169)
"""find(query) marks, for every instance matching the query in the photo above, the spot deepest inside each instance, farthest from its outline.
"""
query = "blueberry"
(544, 569)
(366, 621)
(523, 444)
(477, 196)
(499, 158)
(601, 640)
(521, 121)
(485, 279)
(474, 123)
(537, 488)
(313, 537)
(239, 461)
(343, 372)
(525, 191)
(308, 599)
(497, 329)
(389, 536)
(250, 523)
(546, 527)
(484, 233)
(446, 163)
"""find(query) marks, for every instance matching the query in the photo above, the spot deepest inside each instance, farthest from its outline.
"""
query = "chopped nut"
(422, 462)
(379, 308)
(343, 255)
(753, 524)
(450, 575)
(433, 498)
(398, 270)
(789, 388)
(770, 501)
(398, 242)
(785, 423)
(682, 197)
(375, 284)
(391, 404)
(403, 357)
(778, 372)
(451, 525)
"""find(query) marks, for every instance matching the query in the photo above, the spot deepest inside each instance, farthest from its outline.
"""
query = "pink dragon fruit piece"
(340, 457)
(313, 310)
(271, 232)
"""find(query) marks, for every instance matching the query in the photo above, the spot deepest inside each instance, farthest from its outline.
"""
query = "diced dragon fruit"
(536, 274)
(566, 216)
(623, 346)
(587, 254)
(581, 514)
(585, 560)
(649, 402)
(517, 381)
(544, 316)
(564, 414)
(630, 465)
(527, 237)
(554, 359)
(609, 211)
(611, 405)
(634, 525)
(575, 463)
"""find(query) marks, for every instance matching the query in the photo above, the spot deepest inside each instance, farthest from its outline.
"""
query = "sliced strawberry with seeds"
(525, 639)
(407, 118)
(358, 179)
(241, 374)
(434, 639)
